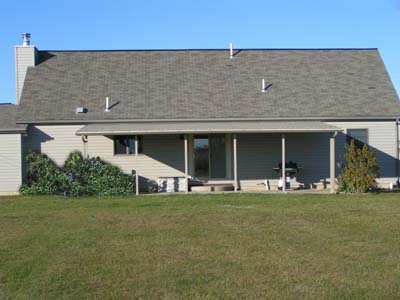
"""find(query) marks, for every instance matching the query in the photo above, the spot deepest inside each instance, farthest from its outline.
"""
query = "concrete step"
(212, 188)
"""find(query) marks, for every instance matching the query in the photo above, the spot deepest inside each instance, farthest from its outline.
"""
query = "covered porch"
(246, 155)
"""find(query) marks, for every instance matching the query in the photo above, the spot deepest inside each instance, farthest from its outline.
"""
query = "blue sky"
(150, 24)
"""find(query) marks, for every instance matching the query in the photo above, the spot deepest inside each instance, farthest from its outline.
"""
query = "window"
(360, 137)
(125, 145)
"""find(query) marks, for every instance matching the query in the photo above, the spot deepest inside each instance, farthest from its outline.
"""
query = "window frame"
(127, 141)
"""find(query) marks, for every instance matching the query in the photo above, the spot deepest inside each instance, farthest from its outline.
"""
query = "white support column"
(85, 146)
(186, 164)
(332, 163)
(136, 145)
(137, 183)
(235, 173)
(136, 173)
(283, 163)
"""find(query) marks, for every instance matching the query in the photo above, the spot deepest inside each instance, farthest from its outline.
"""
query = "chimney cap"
(26, 39)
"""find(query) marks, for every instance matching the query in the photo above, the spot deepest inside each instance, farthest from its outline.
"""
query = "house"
(203, 117)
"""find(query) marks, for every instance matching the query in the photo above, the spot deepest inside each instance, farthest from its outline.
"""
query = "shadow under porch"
(259, 157)
(248, 151)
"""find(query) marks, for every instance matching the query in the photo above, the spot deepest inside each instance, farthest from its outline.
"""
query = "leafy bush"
(152, 186)
(93, 176)
(360, 170)
(43, 176)
(79, 177)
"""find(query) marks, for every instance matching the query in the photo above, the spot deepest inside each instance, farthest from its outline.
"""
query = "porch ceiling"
(205, 127)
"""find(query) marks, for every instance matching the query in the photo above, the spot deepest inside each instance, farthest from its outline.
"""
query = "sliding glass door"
(209, 156)
(217, 156)
(201, 157)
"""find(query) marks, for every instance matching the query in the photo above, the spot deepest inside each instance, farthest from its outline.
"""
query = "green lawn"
(232, 246)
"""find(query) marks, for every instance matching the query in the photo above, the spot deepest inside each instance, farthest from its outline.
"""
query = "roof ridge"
(217, 49)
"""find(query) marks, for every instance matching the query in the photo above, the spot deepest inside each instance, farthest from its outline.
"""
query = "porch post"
(332, 163)
(85, 146)
(235, 175)
(186, 164)
(136, 173)
(136, 145)
(283, 163)
(137, 183)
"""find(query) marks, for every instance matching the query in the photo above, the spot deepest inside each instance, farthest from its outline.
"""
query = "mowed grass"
(225, 246)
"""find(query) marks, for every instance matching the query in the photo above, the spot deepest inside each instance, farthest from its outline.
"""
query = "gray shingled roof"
(206, 84)
(8, 119)
(205, 127)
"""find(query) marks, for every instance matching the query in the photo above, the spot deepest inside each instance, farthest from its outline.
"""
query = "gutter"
(12, 131)
(202, 131)
(322, 119)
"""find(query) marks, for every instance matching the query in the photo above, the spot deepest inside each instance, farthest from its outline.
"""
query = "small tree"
(360, 170)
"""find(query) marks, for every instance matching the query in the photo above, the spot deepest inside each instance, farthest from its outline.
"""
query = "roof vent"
(231, 50)
(26, 39)
(81, 110)
(263, 87)
(107, 105)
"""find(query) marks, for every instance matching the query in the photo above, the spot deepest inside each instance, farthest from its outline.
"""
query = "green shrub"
(152, 186)
(43, 176)
(360, 170)
(79, 177)
(93, 176)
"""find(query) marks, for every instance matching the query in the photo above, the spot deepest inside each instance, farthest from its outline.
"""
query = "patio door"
(210, 156)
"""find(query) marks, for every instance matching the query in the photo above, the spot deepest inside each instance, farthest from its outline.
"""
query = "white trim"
(309, 118)
(136, 145)
(139, 132)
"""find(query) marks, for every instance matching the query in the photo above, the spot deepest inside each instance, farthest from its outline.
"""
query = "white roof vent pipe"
(231, 50)
(26, 39)
(107, 105)
(263, 87)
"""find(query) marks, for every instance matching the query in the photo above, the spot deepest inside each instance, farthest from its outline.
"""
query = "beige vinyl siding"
(24, 151)
(163, 155)
(54, 141)
(382, 138)
(257, 154)
(10, 163)
(310, 151)
(24, 58)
